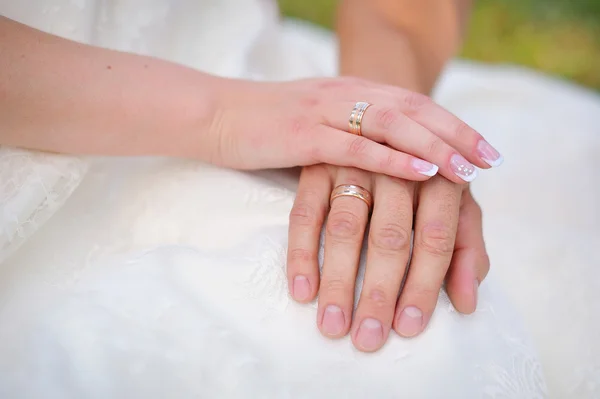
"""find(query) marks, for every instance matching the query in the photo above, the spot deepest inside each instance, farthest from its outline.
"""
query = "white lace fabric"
(33, 186)
(187, 303)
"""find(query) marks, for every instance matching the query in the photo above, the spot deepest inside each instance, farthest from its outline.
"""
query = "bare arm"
(400, 42)
(61, 96)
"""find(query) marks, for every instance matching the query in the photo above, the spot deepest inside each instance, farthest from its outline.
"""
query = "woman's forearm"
(400, 42)
(61, 96)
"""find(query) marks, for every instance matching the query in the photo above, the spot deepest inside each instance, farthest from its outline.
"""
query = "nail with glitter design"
(463, 168)
(489, 154)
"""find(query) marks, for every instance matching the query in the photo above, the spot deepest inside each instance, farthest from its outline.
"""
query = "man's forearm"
(406, 49)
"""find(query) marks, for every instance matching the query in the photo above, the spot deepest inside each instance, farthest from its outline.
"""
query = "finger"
(344, 233)
(385, 123)
(387, 258)
(470, 262)
(435, 231)
(335, 147)
(306, 220)
(447, 126)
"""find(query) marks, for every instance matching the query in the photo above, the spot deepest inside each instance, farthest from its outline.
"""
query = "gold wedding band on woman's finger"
(356, 117)
(352, 190)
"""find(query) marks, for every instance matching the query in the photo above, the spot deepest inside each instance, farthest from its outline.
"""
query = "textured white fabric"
(165, 278)
(33, 186)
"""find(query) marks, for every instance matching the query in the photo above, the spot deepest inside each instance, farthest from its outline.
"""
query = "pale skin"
(61, 96)
(65, 97)
(403, 43)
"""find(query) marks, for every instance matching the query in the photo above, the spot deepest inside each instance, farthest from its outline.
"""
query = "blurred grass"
(560, 37)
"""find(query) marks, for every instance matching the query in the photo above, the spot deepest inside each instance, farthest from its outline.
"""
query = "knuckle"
(300, 255)
(310, 102)
(385, 118)
(378, 298)
(358, 147)
(388, 162)
(298, 126)
(435, 146)
(343, 224)
(341, 83)
(437, 239)
(304, 214)
(462, 131)
(392, 237)
(314, 154)
(335, 286)
(329, 84)
(416, 101)
(423, 293)
(353, 81)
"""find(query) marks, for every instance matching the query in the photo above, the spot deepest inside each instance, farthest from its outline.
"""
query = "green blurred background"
(560, 37)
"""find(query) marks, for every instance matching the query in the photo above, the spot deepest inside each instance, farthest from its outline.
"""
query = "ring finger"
(385, 123)
(344, 233)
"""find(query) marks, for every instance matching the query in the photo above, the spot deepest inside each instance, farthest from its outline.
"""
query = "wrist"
(374, 49)
(175, 108)
(398, 66)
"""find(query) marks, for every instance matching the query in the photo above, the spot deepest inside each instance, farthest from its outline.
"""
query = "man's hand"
(437, 255)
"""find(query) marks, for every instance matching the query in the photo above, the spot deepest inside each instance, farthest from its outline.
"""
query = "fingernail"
(370, 334)
(424, 167)
(463, 168)
(489, 154)
(333, 320)
(475, 292)
(410, 322)
(301, 290)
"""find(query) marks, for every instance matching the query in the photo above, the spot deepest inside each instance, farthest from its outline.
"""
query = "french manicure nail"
(370, 334)
(424, 167)
(489, 154)
(301, 289)
(463, 168)
(333, 320)
(410, 321)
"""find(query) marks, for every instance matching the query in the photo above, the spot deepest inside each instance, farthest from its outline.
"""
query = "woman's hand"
(111, 103)
(406, 135)
(448, 246)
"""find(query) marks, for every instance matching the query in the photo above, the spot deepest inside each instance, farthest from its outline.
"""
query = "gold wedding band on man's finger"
(352, 191)
(350, 203)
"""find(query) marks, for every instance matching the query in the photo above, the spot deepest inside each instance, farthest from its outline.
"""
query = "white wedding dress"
(162, 278)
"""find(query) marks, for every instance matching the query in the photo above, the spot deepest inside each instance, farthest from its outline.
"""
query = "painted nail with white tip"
(489, 154)
(424, 167)
(463, 168)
